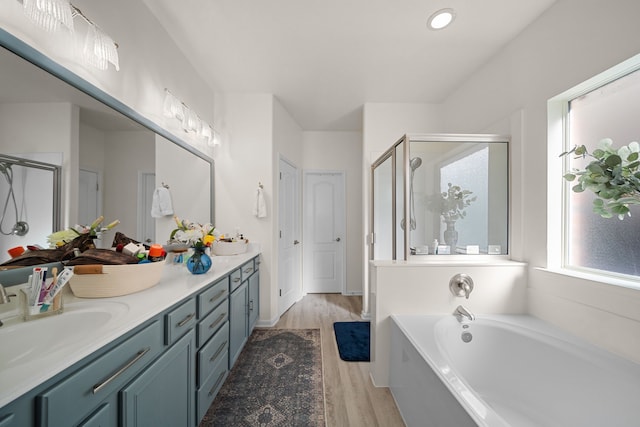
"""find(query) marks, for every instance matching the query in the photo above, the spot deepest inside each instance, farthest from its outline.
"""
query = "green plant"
(451, 204)
(613, 176)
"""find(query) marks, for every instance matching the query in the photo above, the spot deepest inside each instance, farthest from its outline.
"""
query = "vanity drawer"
(212, 352)
(212, 323)
(256, 263)
(180, 320)
(73, 398)
(247, 270)
(235, 279)
(207, 393)
(213, 296)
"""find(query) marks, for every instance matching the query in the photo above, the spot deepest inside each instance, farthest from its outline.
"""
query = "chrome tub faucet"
(463, 314)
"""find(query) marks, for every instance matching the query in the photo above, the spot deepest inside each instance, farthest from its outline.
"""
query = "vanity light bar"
(174, 108)
(99, 49)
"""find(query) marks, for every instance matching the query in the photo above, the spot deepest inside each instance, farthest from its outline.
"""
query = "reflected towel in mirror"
(161, 205)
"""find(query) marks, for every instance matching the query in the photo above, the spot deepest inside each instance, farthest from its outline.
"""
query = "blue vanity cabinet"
(76, 397)
(180, 320)
(163, 394)
(102, 417)
(238, 322)
(254, 298)
(213, 344)
(17, 413)
(244, 308)
(164, 372)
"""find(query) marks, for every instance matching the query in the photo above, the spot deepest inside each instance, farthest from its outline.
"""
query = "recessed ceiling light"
(441, 19)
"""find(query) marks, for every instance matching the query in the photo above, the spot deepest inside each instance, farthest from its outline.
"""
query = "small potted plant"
(613, 176)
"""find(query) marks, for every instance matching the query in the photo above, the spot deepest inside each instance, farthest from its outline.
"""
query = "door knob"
(337, 239)
(295, 242)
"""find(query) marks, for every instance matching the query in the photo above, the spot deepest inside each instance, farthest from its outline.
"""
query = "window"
(592, 243)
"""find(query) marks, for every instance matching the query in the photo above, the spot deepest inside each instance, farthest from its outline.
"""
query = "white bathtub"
(516, 371)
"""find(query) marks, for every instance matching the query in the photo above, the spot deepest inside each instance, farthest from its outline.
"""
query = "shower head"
(415, 163)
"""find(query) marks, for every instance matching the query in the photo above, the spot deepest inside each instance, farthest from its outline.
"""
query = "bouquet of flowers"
(193, 234)
(451, 204)
(62, 237)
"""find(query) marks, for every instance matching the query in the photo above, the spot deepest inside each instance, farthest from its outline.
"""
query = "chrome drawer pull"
(236, 279)
(218, 320)
(215, 386)
(186, 320)
(218, 351)
(103, 384)
(248, 270)
(217, 296)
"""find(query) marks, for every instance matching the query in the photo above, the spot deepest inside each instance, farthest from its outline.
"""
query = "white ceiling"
(323, 59)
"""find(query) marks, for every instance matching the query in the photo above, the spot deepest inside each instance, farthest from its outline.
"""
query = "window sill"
(605, 279)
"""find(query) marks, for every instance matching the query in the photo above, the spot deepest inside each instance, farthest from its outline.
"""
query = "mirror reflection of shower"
(414, 164)
(20, 227)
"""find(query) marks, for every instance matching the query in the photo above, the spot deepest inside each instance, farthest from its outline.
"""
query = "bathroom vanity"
(153, 358)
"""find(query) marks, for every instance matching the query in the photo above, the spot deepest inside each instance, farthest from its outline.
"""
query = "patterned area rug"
(276, 381)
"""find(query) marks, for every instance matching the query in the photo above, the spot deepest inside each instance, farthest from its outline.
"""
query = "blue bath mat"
(353, 340)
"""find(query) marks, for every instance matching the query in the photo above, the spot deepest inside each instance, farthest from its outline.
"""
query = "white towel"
(161, 205)
(260, 207)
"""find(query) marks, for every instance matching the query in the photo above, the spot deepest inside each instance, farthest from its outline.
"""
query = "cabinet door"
(102, 417)
(238, 321)
(254, 300)
(163, 394)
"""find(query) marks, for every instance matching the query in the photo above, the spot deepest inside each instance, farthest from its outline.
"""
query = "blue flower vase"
(199, 262)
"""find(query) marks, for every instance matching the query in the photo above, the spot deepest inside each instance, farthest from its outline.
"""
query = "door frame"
(141, 211)
(344, 239)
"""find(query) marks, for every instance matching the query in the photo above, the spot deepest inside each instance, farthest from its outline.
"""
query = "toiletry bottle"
(435, 246)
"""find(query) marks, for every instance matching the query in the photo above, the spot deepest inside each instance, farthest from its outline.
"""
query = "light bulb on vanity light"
(49, 14)
(173, 107)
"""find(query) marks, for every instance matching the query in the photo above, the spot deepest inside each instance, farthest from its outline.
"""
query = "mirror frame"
(30, 54)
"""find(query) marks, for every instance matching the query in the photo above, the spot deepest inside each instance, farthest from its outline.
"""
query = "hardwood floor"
(350, 397)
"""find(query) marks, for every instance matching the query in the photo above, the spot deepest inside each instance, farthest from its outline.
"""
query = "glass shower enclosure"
(441, 194)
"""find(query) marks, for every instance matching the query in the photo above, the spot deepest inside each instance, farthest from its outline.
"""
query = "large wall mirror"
(111, 158)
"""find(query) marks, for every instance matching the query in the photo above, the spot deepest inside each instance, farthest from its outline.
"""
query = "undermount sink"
(33, 340)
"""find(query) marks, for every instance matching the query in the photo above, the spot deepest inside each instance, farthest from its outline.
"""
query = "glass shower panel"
(399, 201)
(460, 192)
(383, 210)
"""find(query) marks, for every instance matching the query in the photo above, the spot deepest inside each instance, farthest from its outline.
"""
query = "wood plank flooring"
(351, 399)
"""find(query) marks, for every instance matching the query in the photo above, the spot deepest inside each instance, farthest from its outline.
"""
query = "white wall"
(245, 158)
(342, 151)
(572, 41)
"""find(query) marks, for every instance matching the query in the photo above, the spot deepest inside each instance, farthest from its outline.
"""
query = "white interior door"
(146, 223)
(324, 232)
(290, 287)
(88, 197)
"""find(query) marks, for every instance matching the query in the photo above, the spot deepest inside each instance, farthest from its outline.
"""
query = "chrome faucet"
(462, 313)
(461, 285)
(4, 298)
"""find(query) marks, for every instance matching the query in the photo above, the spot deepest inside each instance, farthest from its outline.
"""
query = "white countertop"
(117, 316)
